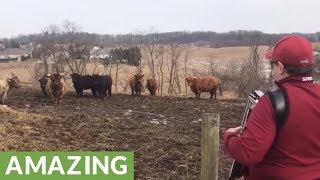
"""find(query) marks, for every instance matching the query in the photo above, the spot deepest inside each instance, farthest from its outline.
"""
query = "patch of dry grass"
(16, 126)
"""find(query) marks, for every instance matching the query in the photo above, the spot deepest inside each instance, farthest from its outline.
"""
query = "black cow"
(103, 84)
(43, 82)
(84, 82)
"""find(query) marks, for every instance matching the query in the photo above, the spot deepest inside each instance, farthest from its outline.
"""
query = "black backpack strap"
(279, 103)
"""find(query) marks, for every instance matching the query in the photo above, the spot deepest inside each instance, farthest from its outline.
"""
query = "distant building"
(14, 54)
(100, 53)
(2, 47)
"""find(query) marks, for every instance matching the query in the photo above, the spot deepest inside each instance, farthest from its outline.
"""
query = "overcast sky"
(131, 16)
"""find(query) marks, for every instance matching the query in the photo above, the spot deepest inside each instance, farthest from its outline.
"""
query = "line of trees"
(212, 39)
(132, 56)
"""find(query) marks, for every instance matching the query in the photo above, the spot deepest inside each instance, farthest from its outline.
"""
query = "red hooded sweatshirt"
(294, 152)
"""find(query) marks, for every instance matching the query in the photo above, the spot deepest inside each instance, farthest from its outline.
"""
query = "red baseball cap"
(293, 51)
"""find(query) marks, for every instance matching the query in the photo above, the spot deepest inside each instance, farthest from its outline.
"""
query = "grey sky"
(130, 16)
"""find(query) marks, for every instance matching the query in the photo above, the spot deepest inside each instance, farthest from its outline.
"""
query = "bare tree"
(60, 44)
(49, 49)
(176, 76)
(160, 67)
(108, 67)
(117, 64)
(140, 65)
(185, 62)
(251, 75)
(152, 56)
(211, 60)
(172, 64)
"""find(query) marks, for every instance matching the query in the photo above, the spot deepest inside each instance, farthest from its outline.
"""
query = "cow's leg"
(2, 98)
(198, 95)
(211, 94)
(5, 95)
(52, 98)
(214, 92)
(109, 92)
(104, 92)
(80, 93)
(55, 99)
(59, 98)
(95, 93)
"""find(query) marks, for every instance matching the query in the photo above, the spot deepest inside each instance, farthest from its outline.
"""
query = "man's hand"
(237, 131)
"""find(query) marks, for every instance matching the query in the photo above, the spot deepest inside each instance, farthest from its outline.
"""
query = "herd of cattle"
(54, 86)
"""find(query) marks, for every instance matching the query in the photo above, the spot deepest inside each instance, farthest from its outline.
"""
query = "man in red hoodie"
(292, 152)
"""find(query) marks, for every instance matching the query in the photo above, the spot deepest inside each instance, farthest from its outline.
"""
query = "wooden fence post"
(210, 146)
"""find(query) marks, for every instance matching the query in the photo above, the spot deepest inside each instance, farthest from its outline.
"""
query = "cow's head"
(191, 81)
(43, 81)
(56, 78)
(152, 82)
(75, 77)
(138, 78)
(14, 81)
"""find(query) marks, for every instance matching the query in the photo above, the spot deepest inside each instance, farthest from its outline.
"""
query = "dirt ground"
(163, 132)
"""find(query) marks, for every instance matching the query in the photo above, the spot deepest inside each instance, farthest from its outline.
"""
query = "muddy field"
(163, 132)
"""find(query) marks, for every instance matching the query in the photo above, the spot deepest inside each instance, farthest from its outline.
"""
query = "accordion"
(238, 170)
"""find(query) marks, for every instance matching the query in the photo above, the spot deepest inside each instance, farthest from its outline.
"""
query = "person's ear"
(281, 67)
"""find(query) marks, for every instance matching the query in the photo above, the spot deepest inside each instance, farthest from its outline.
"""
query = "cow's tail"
(220, 88)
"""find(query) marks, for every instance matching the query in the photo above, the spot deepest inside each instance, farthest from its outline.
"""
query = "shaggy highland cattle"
(99, 84)
(204, 84)
(56, 87)
(136, 84)
(152, 86)
(84, 82)
(43, 82)
(103, 84)
(6, 84)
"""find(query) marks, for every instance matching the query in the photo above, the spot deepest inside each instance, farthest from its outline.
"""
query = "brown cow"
(152, 86)
(56, 87)
(136, 84)
(6, 84)
(204, 84)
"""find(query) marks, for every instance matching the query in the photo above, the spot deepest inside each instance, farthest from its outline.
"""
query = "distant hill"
(208, 39)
